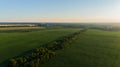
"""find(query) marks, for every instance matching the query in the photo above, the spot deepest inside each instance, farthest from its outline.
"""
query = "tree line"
(39, 56)
(19, 30)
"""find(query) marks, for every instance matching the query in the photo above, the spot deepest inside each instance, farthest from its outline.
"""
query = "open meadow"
(93, 48)
(16, 43)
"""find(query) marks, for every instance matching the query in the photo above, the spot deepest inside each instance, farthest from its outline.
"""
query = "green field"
(14, 44)
(94, 48)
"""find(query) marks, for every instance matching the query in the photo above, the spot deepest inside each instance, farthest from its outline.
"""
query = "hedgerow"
(39, 56)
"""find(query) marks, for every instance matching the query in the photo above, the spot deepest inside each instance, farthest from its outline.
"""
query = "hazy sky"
(60, 10)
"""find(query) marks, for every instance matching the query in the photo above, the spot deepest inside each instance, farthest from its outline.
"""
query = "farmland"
(14, 44)
(94, 48)
(20, 28)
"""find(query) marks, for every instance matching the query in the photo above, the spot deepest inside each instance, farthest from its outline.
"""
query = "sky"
(59, 10)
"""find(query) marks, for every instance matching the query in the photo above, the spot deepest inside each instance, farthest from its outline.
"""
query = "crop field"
(14, 44)
(94, 48)
(19, 28)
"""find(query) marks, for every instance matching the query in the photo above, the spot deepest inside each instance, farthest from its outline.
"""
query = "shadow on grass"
(5, 63)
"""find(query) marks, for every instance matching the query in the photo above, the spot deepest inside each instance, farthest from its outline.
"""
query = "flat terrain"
(20, 28)
(94, 48)
(14, 44)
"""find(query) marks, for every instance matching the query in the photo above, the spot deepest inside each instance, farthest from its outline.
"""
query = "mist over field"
(59, 44)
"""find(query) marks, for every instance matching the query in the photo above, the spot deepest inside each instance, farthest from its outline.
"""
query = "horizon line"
(50, 22)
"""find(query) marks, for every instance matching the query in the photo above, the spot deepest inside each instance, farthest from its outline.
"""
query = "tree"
(12, 63)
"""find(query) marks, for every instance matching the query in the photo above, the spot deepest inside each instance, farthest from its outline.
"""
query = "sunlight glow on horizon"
(64, 20)
(60, 11)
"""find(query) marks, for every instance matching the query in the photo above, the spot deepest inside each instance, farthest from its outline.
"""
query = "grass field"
(20, 28)
(94, 48)
(14, 44)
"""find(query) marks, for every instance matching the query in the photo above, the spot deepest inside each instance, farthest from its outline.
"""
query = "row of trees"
(107, 28)
(34, 59)
(19, 30)
(40, 55)
(63, 42)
